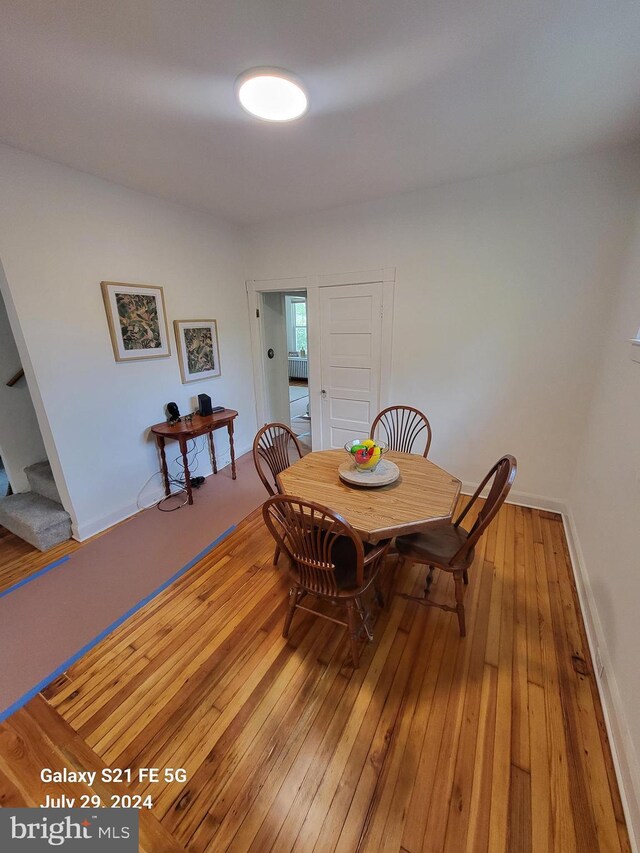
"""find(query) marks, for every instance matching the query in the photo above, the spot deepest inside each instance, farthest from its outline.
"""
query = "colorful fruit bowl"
(366, 453)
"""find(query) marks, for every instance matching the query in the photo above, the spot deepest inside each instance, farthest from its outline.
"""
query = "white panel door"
(350, 352)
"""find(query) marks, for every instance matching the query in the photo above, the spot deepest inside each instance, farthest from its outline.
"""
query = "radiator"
(298, 368)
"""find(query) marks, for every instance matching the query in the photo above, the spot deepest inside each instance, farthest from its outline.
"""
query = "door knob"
(323, 392)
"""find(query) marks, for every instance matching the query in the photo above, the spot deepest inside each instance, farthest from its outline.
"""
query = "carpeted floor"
(49, 620)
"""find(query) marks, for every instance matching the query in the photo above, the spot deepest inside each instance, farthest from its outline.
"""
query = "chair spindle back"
(502, 476)
(274, 447)
(402, 426)
(308, 533)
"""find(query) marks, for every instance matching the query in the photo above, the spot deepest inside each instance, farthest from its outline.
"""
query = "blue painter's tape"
(35, 575)
(64, 666)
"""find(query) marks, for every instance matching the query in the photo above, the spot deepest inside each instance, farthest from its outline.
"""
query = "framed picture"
(197, 342)
(137, 320)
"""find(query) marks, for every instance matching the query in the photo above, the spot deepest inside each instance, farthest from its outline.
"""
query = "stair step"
(41, 480)
(41, 522)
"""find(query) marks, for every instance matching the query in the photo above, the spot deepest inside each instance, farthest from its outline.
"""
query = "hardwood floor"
(495, 742)
(19, 560)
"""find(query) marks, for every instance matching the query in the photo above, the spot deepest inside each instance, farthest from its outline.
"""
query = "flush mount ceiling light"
(271, 94)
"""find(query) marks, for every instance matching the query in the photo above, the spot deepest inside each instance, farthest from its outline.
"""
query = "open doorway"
(347, 322)
(30, 505)
(285, 357)
(21, 443)
(298, 366)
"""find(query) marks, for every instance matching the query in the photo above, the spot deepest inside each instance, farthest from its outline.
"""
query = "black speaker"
(204, 404)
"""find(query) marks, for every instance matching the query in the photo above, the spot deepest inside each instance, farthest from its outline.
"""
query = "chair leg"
(276, 555)
(458, 579)
(400, 562)
(365, 619)
(378, 590)
(397, 568)
(352, 619)
(429, 581)
(465, 577)
(293, 601)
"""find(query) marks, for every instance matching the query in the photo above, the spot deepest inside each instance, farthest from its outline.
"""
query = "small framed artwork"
(198, 352)
(137, 320)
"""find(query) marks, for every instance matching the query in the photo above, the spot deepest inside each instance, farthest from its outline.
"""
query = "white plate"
(386, 472)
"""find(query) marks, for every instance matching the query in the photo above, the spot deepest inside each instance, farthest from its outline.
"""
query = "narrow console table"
(183, 431)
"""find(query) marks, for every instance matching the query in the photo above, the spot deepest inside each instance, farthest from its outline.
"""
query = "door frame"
(312, 284)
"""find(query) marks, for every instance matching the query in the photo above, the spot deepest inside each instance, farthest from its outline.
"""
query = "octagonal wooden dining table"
(424, 494)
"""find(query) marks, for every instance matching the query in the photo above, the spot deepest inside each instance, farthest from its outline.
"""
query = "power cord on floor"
(173, 508)
(155, 502)
(193, 453)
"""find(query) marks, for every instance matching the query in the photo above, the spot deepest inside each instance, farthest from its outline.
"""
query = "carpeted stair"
(37, 516)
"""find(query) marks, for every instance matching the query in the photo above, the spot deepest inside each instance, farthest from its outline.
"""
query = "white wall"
(605, 503)
(61, 233)
(504, 291)
(20, 439)
(276, 369)
(502, 284)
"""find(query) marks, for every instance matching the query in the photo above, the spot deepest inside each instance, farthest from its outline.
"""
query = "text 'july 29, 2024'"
(111, 776)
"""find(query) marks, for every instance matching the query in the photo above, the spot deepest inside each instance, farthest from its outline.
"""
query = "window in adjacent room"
(299, 308)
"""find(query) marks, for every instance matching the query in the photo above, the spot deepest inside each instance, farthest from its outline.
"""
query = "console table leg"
(187, 475)
(213, 452)
(163, 459)
(232, 449)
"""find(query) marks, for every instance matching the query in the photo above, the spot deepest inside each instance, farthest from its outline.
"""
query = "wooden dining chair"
(275, 447)
(451, 548)
(400, 427)
(328, 560)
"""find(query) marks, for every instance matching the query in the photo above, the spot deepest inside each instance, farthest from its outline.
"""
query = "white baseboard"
(624, 755)
(84, 531)
(625, 759)
(524, 499)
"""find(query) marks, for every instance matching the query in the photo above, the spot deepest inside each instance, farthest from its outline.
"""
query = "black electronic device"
(173, 413)
(204, 404)
(218, 409)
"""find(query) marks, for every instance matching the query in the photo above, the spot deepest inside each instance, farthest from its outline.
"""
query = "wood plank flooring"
(19, 560)
(491, 743)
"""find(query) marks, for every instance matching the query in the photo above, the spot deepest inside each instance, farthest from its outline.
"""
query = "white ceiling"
(404, 93)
